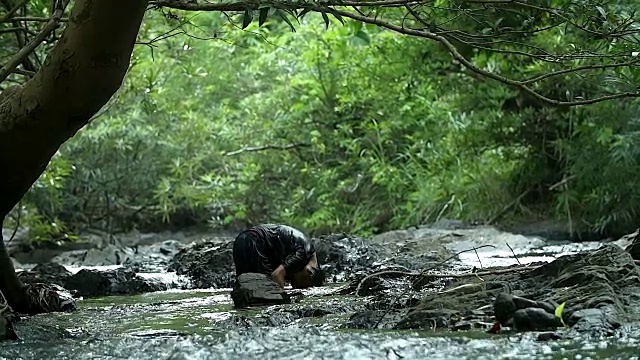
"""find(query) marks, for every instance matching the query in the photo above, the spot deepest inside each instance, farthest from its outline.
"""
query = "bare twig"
(478, 256)
(53, 23)
(514, 254)
(267, 147)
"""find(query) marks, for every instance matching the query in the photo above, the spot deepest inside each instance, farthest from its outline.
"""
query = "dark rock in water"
(49, 272)
(257, 289)
(594, 320)
(341, 255)
(121, 281)
(549, 336)
(208, 264)
(534, 319)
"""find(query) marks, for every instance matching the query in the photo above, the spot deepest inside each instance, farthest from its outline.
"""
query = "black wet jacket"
(283, 245)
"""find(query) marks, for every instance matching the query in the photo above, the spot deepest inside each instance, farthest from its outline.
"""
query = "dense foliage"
(351, 128)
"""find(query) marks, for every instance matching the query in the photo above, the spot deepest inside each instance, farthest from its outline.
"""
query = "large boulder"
(342, 256)
(208, 264)
(257, 289)
(121, 281)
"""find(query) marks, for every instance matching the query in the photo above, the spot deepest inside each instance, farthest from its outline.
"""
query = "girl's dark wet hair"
(318, 278)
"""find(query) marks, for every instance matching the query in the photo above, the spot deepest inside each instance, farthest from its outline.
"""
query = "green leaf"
(304, 12)
(337, 16)
(326, 19)
(247, 18)
(284, 17)
(264, 12)
(361, 38)
(559, 311)
(356, 26)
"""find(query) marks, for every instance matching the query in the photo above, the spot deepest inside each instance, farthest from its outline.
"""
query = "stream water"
(202, 324)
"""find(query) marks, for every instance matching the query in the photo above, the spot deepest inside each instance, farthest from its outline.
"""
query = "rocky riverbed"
(511, 284)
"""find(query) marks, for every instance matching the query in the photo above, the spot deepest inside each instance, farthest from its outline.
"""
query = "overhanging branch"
(442, 36)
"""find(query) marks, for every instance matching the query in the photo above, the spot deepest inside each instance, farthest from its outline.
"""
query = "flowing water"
(202, 324)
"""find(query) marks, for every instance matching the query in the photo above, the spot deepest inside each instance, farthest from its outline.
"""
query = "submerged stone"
(257, 289)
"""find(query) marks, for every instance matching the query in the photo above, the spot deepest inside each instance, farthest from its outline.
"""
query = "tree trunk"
(82, 72)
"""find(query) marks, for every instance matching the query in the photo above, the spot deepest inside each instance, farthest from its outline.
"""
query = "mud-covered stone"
(257, 289)
(121, 281)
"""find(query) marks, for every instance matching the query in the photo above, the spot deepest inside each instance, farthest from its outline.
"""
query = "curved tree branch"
(443, 36)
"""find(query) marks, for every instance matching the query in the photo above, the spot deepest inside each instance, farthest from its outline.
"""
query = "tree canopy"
(356, 116)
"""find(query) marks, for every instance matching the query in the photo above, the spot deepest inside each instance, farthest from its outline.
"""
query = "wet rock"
(634, 247)
(374, 319)
(594, 320)
(208, 264)
(342, 255)
(121, 281)
(147, 258)
(257, 289)
(105, 256)
(328, 307)
(50, 272)
(549, 336)
(279, 319)
(31, 331)
(534, 319)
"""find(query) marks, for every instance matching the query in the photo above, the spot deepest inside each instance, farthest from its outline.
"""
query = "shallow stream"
(202, 324)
